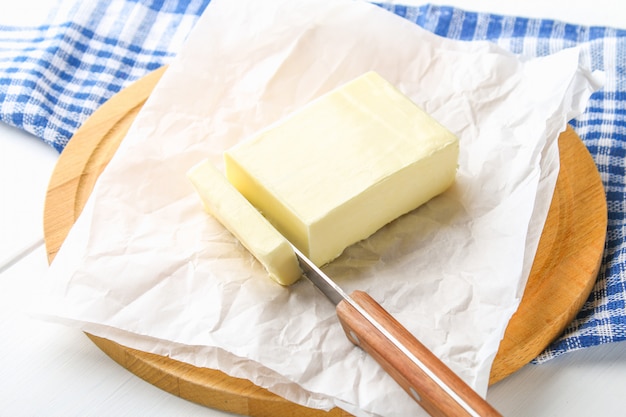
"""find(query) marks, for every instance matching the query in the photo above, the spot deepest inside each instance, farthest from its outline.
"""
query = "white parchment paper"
(145, 266)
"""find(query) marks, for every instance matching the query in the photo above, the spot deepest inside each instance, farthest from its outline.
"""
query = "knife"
(434, 386)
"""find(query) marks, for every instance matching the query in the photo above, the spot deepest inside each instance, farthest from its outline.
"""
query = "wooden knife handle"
(430, 382)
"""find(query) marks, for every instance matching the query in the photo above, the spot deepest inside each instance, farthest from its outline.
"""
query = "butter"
(343, 166)
(256, 234)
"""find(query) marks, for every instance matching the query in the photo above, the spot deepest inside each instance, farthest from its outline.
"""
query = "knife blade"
(431, 383)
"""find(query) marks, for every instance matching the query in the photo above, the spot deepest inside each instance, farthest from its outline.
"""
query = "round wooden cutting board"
(563, 273)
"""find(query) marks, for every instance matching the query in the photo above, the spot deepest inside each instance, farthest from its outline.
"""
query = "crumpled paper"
(145, 266)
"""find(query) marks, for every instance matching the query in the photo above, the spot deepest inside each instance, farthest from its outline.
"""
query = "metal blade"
(320, 279)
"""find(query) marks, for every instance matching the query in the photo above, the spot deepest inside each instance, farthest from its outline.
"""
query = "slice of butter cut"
(343, 166)
(257, 235)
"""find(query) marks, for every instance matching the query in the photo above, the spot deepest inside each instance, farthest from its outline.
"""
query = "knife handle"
(434, 386)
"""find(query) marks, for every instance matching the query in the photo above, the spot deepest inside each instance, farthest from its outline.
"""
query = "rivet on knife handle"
(427, 379)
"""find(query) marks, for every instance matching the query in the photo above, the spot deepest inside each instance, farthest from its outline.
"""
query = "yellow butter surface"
(256, 234)
(343, 166)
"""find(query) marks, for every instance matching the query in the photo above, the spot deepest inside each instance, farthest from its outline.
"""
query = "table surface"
(48, 369)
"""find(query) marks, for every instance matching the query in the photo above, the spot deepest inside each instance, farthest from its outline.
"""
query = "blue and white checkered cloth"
(57, 73)
(54, 74)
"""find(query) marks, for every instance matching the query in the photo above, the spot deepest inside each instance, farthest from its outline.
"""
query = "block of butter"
(234, 212)
(343, 166)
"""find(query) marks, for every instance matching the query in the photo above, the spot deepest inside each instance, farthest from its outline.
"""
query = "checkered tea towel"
(54, 72)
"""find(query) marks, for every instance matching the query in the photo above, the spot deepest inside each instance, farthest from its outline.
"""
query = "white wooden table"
(51, 370)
